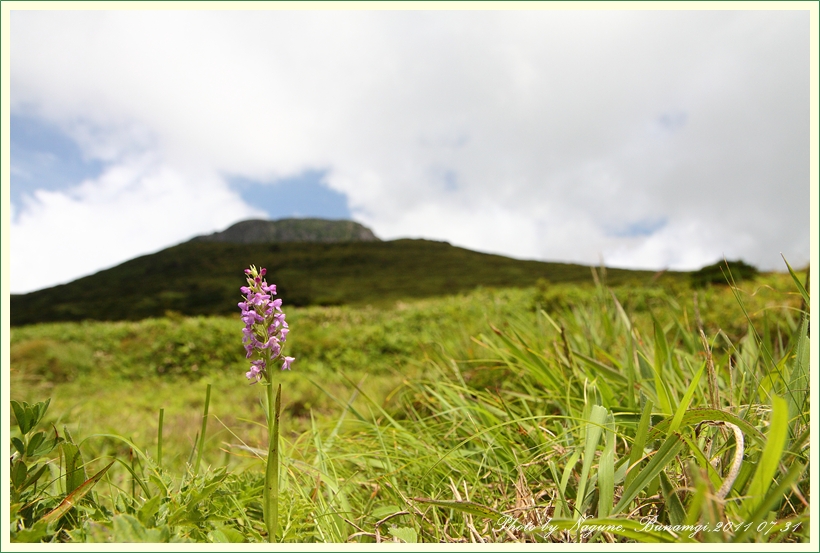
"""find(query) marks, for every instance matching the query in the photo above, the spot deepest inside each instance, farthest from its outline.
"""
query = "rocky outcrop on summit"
(258, 231)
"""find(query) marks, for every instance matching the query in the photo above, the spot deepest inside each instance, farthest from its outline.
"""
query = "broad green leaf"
(405, 534)
(606, 471)
(594, 427)
(34, 442)
(34, 476)
(226, 534)
(148, 510)
(29, 416)
(47, 446)
(75, 473)
(36, 533)
(128, 529)
(381, 512)
(19, 470)
(23, 415)
(771, 456)
(39, 410)
(18, 445)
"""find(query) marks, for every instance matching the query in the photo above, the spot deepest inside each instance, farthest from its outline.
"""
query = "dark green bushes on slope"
(724, 272)
(203, 278)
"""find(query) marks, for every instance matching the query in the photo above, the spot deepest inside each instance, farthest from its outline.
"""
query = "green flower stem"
(271, 495)
(159, 438)
(201, 444)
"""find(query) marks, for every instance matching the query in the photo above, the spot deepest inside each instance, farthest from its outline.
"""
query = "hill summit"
(259, 231)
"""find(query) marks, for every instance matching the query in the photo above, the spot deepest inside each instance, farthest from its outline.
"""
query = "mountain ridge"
(262, 231)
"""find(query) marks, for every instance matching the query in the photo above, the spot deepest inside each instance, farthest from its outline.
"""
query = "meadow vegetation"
(603, 411)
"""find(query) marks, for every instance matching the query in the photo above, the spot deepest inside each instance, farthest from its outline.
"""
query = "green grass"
(495, 415)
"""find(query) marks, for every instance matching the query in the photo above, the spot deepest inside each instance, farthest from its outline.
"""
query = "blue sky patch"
(305, 195)
(45, 158)
(673, 120)
(450, 180)
(637, 229)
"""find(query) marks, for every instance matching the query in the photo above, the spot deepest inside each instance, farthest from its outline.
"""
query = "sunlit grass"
(498, 416)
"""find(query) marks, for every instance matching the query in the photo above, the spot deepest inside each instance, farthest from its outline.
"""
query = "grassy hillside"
(467, 418)
(203, 278)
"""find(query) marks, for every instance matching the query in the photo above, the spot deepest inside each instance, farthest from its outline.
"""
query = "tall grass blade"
(606, 471)
(563, 506)
(637, 451)
(799, 377)
(603, 370)
(699, 497)
(774, 495)
(683, 406)
(798, 284)
(201, 441)
(468, 507)
(673, 503)
(573, 460)
(771, 457)
(661, 360)
(661, 393)
(159, 437)
(696, 416)
(74, 497)
(668, 450)
(594, 427)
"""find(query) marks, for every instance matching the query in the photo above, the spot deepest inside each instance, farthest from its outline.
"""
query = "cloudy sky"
(648, 139)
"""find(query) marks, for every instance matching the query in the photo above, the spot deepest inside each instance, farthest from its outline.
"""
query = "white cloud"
(532, 134)
(132, 209)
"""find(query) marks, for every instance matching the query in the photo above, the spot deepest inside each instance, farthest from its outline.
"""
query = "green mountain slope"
(203, 278)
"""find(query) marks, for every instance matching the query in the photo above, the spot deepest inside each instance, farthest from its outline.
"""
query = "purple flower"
(257, 367)
(265, 327)
(251, 317)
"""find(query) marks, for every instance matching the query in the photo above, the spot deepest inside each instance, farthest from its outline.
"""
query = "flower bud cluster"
(265, 329)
